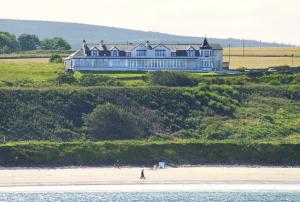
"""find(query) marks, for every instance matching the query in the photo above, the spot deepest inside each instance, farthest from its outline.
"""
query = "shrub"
(93, 80)
(274, 82)
(55, 59)
(171, 78)
(110, 121)
(66, 78)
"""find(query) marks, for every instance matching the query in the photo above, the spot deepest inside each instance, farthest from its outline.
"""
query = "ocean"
(160, 193)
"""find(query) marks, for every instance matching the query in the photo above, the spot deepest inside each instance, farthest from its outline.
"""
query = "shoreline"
(222, 187)
(93, 176)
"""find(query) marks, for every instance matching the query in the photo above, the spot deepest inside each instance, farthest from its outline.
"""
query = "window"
(115, 53)
(173, 54)
(191, 53)
(206, 53)
(94, 53)
(141, 53)
(206, 63)
(160, 53)
(128, 54)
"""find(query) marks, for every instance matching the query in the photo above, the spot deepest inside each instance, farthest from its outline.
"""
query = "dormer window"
(191, 53)
(141, 53)
(160, 53)
(115, 53)
(94, 53)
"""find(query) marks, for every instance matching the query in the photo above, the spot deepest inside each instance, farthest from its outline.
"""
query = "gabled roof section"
(94, 48)
(141, 44)
(191, 48)
(162, 46)
(114, 48)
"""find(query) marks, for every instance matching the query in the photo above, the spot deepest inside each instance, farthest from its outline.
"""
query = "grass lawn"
(37, 72)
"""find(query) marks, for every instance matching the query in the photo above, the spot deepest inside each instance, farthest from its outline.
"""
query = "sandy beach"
(123, 175)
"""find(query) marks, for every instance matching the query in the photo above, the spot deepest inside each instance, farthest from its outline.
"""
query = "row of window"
(142, 63)
(158, 53)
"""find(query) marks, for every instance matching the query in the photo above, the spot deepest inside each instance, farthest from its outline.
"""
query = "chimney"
(147, 43)
(83, 43)
(102, 43)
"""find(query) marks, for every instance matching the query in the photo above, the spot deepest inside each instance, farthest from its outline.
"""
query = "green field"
(33, 71)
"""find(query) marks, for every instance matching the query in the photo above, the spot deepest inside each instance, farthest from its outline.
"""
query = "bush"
(66, 78)
(274, 82)
(93, 80)
(55, 59)
(171, 78)
(110, 121)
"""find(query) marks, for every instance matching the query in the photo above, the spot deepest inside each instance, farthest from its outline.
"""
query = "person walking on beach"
(142, 175)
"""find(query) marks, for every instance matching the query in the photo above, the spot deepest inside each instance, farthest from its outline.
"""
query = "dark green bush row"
(27, 114)
(147, 153)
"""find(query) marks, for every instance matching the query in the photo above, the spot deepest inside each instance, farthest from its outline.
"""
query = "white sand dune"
(130, 176)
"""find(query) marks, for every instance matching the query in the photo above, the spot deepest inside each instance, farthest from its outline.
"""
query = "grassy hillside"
(251, 118)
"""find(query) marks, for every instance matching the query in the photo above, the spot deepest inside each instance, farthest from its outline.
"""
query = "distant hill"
(75, 32)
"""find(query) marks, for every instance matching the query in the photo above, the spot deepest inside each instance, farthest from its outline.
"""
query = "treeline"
(148, 153)
(10, 43)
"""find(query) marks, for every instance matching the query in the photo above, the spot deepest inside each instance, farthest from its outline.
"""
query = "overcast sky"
(266, 20)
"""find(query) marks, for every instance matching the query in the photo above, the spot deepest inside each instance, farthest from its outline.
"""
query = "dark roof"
(179, 48)
(205, 44)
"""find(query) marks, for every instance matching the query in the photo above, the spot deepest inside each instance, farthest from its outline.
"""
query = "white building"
(146, 57)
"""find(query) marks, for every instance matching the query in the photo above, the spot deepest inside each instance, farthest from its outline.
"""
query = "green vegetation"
(149, 153)
(28, 42)
(55, 59)
(171, 78)
(55, 44)
(110, 121)
(34, 73)
(252, 117)
(10, 44)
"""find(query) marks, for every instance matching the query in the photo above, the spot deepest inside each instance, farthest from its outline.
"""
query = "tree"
(55, 44)
(8, 43)
(112, 122)
(28, 42)
(55, 58)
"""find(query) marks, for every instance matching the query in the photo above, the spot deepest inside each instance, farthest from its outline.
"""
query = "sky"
(266, 20)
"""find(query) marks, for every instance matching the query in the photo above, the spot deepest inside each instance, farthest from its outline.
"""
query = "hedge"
(147, 153)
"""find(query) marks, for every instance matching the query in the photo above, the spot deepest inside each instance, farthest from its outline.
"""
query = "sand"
(115, 176)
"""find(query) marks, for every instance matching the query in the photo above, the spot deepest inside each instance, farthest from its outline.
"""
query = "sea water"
(161, 193)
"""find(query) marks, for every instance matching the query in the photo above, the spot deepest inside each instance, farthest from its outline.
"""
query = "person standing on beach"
(142, 175)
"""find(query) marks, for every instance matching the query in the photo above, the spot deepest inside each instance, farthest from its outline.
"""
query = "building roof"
(129, 47)
(205, 44)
